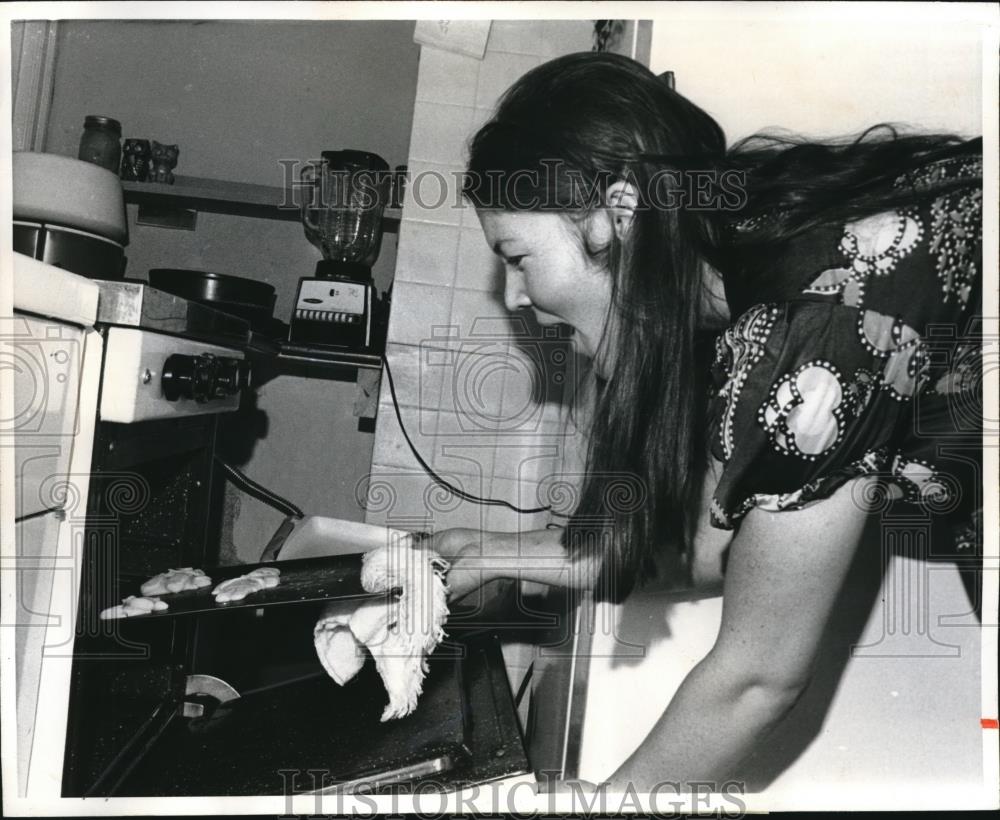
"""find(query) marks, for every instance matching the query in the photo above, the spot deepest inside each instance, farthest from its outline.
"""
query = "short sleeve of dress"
(861, 356)
(799, 410)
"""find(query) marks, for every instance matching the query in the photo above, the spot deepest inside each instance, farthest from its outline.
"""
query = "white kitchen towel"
(399, 632)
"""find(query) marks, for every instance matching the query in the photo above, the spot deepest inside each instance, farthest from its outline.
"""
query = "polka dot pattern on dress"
(875, 244)
(899, 346)
(872, 314)
(737, 352)
(804, 414)
(955, 221)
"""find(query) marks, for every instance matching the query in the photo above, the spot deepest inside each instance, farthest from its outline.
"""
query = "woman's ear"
(621, 203)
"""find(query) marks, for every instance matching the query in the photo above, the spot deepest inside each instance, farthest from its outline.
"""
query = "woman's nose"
(514, 294)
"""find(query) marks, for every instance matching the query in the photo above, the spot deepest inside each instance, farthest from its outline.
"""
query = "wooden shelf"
(282, 351)
(272, 358)
(221, 196)
(264, 202)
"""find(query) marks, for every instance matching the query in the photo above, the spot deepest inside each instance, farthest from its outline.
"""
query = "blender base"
(337, 312)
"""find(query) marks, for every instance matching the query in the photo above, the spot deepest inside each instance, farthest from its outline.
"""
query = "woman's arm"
(539, 555)
(783, 576)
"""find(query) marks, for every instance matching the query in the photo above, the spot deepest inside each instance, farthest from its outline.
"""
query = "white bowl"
(70, 192)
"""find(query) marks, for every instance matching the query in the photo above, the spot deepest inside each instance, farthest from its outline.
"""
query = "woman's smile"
(547, 270)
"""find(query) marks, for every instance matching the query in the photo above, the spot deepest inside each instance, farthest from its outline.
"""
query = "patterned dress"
(858, 351)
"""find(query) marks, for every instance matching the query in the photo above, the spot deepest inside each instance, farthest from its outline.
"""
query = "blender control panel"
(336, 312)
(329, 300)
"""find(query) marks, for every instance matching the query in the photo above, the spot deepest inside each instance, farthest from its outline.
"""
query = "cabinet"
(55, 353)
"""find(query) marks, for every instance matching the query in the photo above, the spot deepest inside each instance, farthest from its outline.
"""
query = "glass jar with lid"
(101, 142)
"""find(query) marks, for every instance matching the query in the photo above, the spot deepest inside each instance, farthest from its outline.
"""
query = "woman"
(782, 334)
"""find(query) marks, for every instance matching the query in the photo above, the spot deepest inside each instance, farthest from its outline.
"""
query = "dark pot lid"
(209, 286)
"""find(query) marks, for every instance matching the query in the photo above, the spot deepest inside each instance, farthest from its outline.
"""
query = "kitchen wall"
(237, 97)
(895, 708)
(825, 71)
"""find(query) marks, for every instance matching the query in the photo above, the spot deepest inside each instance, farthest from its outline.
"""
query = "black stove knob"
(203, 378)
(229, 376)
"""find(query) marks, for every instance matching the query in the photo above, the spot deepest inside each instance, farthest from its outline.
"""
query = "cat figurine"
(164, 160)
(136, 155)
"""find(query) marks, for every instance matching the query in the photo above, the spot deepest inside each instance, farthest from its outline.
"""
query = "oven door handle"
(277, 541)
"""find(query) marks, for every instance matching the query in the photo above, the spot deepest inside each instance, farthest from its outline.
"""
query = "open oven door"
(235, 702)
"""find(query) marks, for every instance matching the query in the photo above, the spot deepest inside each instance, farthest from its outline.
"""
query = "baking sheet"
(335, 577)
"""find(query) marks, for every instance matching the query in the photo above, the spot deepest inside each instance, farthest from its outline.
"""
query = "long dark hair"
(560, 136)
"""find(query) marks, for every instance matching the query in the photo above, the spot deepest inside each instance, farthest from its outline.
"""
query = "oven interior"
(236, 703)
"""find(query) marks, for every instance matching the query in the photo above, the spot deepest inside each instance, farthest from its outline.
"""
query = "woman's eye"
(515, 261)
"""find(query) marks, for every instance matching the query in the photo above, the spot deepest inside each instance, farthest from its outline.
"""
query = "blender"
(344, 196)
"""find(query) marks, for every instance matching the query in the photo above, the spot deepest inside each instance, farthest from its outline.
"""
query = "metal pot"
(249, 299)
(58, 190)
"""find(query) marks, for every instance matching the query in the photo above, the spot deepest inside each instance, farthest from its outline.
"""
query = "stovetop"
(131, 303)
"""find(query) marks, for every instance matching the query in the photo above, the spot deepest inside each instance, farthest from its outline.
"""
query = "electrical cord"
(274, 500)
(248, 485)
(444, 483)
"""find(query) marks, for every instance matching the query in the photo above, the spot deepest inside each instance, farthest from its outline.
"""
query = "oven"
(154, 503)
(230, 703)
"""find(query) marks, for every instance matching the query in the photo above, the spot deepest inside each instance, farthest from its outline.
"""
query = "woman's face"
(547, 270)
